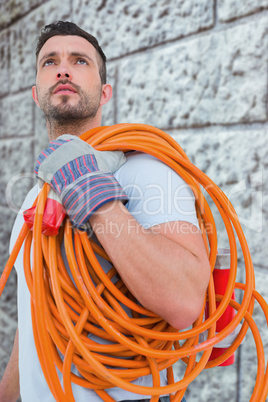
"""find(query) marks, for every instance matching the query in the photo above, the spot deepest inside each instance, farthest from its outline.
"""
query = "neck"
(75, 127)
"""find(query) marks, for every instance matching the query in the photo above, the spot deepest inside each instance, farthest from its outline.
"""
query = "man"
(170, 272)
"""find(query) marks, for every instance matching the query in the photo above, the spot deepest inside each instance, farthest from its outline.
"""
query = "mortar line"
(15, 137)
(225, 127)
(205, 31)
(21, 16)
(9, 94)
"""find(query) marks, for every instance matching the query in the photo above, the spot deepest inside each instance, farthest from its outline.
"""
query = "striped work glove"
(81, 176)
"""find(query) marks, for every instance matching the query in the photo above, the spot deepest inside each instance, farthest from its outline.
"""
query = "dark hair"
(69, 28)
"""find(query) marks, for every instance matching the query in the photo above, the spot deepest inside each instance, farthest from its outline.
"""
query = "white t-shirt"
(156, 195)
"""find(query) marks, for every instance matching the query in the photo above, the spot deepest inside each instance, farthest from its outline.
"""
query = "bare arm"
(9, 385)
(165, 267)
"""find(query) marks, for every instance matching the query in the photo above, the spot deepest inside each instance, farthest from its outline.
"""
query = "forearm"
(9, 385)
(162, 274)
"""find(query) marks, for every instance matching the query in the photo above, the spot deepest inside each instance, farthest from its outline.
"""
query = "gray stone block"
(23, 41)
(237, 162)
(4, 62)
(8, 300)
(124, 26)
(8, 303)
(7, 218)
(8, 328)
(12, 10)
(40, 132)
(216, 384)
(230, 10)
(215, 79)
(16, 115)
(17, 171)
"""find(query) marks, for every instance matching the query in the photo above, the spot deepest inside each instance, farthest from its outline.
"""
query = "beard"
(64, 112)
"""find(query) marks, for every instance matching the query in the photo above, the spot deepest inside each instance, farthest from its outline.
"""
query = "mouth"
(64, 90)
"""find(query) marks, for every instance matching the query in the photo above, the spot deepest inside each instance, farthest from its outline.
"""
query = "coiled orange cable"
(63, 314)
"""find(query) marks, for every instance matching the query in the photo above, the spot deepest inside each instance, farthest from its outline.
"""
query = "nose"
(61, 75)
(63, 72)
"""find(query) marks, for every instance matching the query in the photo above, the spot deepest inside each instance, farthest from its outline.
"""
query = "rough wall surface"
(195, 68)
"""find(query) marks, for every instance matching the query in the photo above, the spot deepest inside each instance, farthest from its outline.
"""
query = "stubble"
(64, 112)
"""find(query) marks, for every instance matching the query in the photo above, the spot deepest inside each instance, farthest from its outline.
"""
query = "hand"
(81, 176)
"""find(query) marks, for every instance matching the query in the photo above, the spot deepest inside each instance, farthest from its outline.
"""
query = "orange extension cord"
(64, 314)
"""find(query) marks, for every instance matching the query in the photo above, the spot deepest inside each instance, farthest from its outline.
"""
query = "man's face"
(68, 84)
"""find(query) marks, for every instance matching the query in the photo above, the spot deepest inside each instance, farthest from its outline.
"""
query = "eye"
(48, 62)
(81, 61)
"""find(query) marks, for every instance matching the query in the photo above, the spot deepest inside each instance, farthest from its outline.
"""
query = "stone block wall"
(196, 69)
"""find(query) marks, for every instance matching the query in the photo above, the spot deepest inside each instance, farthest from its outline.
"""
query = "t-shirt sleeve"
(157, 194)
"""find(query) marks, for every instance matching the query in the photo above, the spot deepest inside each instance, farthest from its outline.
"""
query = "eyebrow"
(46, 56)
(72, 54)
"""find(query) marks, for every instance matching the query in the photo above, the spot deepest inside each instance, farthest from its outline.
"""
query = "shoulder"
(156, 193)
(147, 172)
(144, 168)
(140, 160)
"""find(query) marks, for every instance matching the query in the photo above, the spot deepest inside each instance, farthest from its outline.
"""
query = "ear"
(34, 94)
(107, 93)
